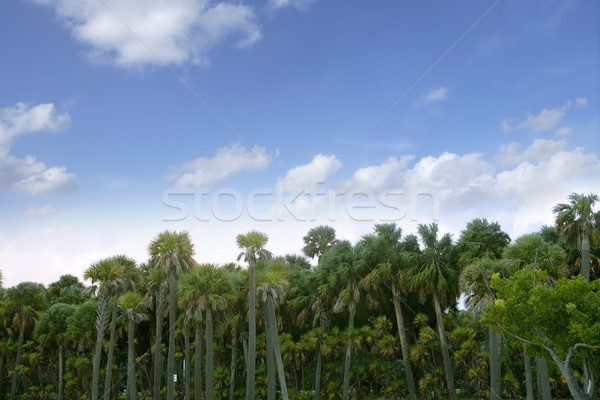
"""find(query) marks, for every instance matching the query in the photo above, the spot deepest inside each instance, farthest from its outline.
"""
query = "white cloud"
(375, 178)
(150, 32)
(27, 174)
(227, 162)
(308, 176)
(539, 150)
(297, 4)
(435, 95)
(24, 118)
(546, 120)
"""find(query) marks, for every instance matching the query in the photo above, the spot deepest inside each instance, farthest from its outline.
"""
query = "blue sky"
(280, 115)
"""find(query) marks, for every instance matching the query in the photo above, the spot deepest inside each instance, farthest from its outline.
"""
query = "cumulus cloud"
(227, 162)
(150, 32)
(518, 187)
(24, 118)
(539, 150)
(27, 174)
(545, 120)
(435, 95)
(308, 176)
(375, 178)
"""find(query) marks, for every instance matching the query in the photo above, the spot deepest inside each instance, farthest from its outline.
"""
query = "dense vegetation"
(376, 319)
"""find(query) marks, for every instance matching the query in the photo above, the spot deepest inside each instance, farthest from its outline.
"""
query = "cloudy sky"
(121, 119)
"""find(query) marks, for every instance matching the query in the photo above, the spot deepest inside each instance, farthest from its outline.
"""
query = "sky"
(123, 119)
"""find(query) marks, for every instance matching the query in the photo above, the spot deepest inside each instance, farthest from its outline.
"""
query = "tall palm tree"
(318, 240)
(124, 276)
(436, 275)
(385, 257)
(480, 246)
(253, 245)
(312, 306)
(51, 331)
(341, 270)
(157, 285)
(578, 224)
(135, 311)
(101, 274)
(272, 286)
(24, 304)
(209, 290)
(173, 252)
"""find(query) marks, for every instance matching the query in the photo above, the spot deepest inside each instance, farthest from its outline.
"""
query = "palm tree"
(24, 303)
(314, 306)
(384, 255)
(578, 224)
(173, 252)
(51, 331)
(110, 277)
(436, 275)
(124, 276)
(99, 273)
(253, 244)
(318, 240)
(340, 268)
(134, 310)
(272, 286)
(157, 286)
(209, 290)
(480, 246)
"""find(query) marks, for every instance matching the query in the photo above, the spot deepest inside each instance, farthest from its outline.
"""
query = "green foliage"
(558, 315)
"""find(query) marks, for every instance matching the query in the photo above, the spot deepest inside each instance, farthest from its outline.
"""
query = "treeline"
(376, 319)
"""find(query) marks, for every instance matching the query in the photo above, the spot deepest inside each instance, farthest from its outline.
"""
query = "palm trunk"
(210, 358)
(251, 362)
(495, 367)
(318, 372)
(528, 375)
(444, 345)
(198, 363)
(186, 371)
(348, 357)
(171, 353)
(277, 349)
(271, 379)
(61, 371)
(412, 391)
(111, 350)
(234, 350)
(101, 322)
(543, 378)
(158, 365)
(585, 257)
(131, 386)
(13, 386)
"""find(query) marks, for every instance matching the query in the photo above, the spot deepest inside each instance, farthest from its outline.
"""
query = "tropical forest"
(396, 315)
